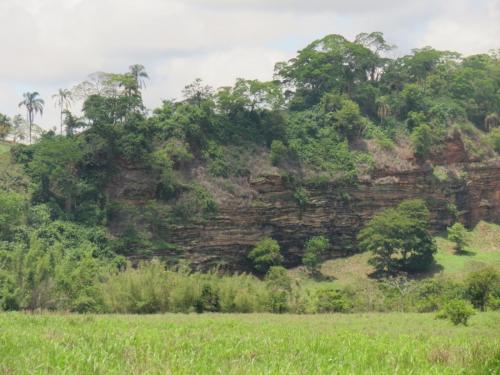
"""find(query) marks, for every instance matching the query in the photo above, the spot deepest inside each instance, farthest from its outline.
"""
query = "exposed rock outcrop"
(468, 189)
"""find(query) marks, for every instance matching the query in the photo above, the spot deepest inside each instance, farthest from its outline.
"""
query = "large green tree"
(399, 238)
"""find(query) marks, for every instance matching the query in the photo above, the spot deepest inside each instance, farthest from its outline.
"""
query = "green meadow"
(248, 344)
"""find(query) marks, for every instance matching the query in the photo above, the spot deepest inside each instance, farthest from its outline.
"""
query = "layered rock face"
(337, 212)
(464, 188)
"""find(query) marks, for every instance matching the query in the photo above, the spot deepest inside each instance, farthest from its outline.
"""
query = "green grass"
(248, 344)
(484, 249)
(4, 147)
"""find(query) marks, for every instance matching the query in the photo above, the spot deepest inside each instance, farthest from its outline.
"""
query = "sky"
(50, 44)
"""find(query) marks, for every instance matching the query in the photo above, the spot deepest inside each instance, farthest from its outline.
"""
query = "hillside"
(242, 178)
(483, 250)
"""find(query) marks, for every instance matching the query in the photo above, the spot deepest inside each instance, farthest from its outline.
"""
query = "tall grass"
(247, 344)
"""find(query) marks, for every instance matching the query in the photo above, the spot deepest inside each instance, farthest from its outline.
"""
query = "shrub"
(331, 300)
(278, 152)
(265, 255)
(481, 285)
(302, 198)
(457, 311)
(209, 299)
(423, 139)
(315, 247)
(459, 235)
(195, 204)
(494, 138)
(279, 286)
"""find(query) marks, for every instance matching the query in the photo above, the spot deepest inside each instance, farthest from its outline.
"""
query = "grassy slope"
(484, 249)
(4, 147)
(250, 344)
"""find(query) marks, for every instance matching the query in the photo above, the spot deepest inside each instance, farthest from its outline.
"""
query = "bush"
(302, 198)
(494, 139)
(331, 300)
(459, 235)
(265, 255)
(423, 140)
(197, 203)
(209, 299)
(457, 311)
(315, 247)
(278, 152)
(481, 285)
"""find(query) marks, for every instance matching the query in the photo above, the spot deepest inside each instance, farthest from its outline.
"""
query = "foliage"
(5, 126)
(494, 139)
(265, 254)
(331, 300)
(12, 214)
(423, 140)
(459, 235)
(279, 285)
(278, 152)
(195, 203)
(399, 238)
(457, 311)
(482, 284)
(315, 247)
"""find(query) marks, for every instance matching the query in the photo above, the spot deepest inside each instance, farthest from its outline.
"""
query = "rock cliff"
(452, 185)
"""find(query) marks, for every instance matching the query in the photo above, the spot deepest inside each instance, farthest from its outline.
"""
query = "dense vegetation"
(55, 248)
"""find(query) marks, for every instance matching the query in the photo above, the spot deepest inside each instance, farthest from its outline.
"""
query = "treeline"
(56, 251)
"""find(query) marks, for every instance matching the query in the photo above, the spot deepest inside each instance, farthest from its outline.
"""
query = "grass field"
(248, 344)
(484, 249)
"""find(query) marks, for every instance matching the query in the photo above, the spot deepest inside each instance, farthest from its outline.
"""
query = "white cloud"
(465, 28)
(47, 44)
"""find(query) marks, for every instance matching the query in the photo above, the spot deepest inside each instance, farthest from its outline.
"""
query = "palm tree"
(63, 101)
(139, 73)
(34, 104)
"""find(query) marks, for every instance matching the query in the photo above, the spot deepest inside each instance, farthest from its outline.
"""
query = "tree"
(72, 123)
(33, 104)
(423, 140)
(139, 74)
(329, 64)
(196, 92)
(5, 126)
(12, 213)
(481, 284)
(265, 254)
(315, 247)
(54, 171)
(18, 129)
(399, 238)
(459, 235)
(63, 101)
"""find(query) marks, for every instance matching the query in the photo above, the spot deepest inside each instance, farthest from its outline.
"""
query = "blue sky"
(51, 44)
